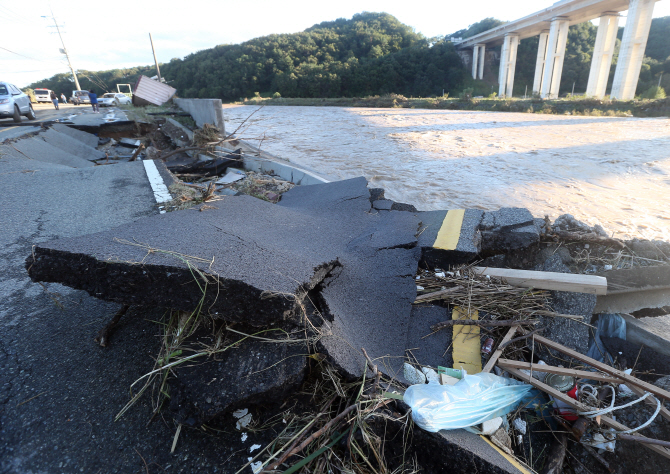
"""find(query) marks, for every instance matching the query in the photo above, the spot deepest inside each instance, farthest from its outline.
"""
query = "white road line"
(161, 192)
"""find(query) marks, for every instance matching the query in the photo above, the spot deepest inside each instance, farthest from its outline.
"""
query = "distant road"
(79, 114)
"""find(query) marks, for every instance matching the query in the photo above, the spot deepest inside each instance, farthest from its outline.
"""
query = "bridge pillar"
(633, 43)
(482, 58)
(602, 55)
(508, 65)
(478, 61)
(553, 68)
(541, 61)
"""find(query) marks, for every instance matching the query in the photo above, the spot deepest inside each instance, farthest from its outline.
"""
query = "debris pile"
(335, 319)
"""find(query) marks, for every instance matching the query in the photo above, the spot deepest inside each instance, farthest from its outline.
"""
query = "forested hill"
(371, 53)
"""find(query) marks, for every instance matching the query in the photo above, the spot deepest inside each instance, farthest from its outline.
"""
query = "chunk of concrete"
(253, 373)
(37, 149)
(71, 145)
(382, 204)
(88, 139)
(467, 247)
(509, 228)
(246, 260)
(572, 334)
(401, 206)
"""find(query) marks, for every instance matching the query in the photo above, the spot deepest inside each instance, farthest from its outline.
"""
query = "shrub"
(276, 95)
(654, 92)
(466, 93)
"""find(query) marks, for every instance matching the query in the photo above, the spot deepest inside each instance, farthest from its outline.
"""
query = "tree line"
(369, 54)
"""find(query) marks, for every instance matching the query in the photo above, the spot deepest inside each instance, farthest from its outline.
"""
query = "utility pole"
(74, 75)
(158, 71)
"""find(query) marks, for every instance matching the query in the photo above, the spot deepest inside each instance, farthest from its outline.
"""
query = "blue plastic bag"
(471, 401)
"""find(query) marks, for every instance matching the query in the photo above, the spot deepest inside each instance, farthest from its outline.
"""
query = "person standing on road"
(54, 99)
(63, 98)
(94, 101)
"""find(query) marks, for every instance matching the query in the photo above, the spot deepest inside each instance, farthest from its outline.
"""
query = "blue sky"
(108, 35)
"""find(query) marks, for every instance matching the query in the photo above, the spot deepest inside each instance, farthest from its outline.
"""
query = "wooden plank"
(628, 379)
(576, 283)
(466, 351)
(550, 369)
(581, 407)
(651, 401)
(498, 352)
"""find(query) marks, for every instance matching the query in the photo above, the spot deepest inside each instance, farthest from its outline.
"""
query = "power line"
(14, 16)
(19, 54)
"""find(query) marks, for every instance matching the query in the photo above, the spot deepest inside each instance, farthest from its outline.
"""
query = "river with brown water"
(603, 170)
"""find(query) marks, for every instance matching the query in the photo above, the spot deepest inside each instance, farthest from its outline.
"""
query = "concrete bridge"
(551, 25)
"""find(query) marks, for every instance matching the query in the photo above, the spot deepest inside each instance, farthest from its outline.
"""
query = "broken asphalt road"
(59, 392)
(259, 261)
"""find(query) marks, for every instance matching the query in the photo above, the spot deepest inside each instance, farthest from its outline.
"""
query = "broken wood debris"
(471, 322)
(574, 283)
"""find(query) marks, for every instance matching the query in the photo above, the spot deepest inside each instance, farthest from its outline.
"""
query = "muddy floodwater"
(603, 170)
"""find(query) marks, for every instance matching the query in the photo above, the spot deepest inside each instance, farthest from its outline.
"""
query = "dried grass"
(475, 292)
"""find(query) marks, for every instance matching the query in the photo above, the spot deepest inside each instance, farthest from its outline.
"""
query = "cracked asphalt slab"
(263, 259)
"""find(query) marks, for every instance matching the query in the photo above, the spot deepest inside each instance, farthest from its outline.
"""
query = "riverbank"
(612, 171)
(576, 106)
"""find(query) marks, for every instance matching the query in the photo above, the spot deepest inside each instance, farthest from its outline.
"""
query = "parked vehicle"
(127, 87)
(14, 103)
(42, 95)
(113, 98)
(80, 97)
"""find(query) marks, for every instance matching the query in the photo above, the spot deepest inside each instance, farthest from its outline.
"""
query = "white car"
(14, 103)
(113, 98)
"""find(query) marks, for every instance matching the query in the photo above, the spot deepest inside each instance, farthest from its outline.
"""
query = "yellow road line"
(512, 460)
(450, 231)
(466, 350)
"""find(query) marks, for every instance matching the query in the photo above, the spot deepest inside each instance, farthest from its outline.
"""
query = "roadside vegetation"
(569, 106)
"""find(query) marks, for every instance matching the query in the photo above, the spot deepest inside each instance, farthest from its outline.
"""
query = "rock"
(152, 153)
(491, 426)
(412, 375)
(376, 194)
(664, 383)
